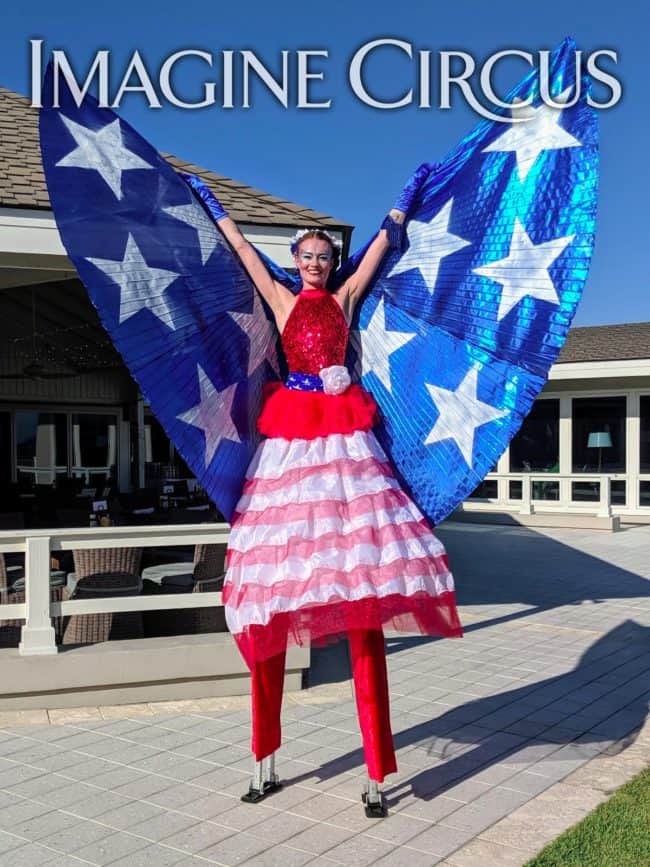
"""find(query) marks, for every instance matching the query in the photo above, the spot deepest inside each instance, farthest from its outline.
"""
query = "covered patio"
(73, 426)
(102, 525)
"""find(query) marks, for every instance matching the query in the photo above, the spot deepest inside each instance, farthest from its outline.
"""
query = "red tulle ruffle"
(323, 624)
(293, 414)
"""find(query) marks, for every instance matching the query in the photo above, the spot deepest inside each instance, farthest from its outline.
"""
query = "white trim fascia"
(600, 369)
(593, 391)
(30, 239)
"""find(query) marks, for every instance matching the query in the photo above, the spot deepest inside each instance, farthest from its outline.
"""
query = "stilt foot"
(253, 796)
(373, 801)
(265, 781)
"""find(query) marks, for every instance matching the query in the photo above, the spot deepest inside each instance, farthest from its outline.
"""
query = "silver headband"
(300, 234)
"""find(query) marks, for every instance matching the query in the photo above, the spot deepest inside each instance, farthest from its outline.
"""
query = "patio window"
(41, 447)
(158, 448)
(644, 449)
(162, 461)
(536, 447)
(644, 444)
(589, 492)
(94, 447)
(644, 494)
(598, 440)
(487, 490)
(617, 492)
(539, 490)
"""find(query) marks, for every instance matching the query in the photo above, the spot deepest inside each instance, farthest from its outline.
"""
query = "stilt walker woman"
(324, 542)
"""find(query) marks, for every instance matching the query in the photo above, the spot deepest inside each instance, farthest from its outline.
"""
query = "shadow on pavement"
(510, 574)
(613, 675)
(611, 678)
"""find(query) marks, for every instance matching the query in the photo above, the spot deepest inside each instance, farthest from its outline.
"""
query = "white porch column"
(77, 460)
(37, 633)
(45, 457)
(111, 445)
(124, 454)
(526, 496)
(605, 504)
(566, 449)
(141, 440)
(503, 484)
(633, 451)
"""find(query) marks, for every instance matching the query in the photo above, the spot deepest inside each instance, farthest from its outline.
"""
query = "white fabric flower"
(335, 379)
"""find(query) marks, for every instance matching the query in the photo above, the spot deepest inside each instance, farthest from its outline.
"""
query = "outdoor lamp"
(600, 440)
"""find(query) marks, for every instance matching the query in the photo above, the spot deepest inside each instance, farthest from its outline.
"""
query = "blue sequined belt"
(304, 382)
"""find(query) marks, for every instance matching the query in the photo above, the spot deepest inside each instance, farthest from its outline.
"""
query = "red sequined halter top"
(315, 336)
(316, 333)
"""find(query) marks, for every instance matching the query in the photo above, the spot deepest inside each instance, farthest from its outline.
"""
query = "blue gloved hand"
(412, 187)
(211, 202)
(394, 232)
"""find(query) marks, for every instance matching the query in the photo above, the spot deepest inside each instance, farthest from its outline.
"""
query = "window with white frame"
(599, 445)
(536, 447)
(52, 445)
(94, 447)
(41, 447)
(644, 449)
(598, 437)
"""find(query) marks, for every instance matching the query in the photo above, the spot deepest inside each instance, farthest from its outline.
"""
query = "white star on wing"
(141, 286)
(429, 243)
(194, 215)
(377, 344)
(103, 151)
(524, 271)
(261, 335)
(460, 413)
(212, 415)
(541, 131)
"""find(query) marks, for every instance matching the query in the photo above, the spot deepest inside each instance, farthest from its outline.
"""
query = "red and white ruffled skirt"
(324, 540)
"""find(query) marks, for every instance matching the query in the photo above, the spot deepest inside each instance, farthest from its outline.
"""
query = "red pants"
(371, 689)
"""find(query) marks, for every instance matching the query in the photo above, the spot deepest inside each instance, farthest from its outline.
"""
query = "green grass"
(616, 834)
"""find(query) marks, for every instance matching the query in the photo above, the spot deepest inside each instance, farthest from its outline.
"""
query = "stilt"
(373, 800)
(265, 781)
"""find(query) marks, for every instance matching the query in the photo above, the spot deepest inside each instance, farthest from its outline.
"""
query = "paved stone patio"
(504, 738)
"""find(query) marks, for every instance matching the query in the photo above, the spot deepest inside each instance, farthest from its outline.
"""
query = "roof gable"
(22, 181)
(607, 343)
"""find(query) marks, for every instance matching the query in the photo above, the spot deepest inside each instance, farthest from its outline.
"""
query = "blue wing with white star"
(458, 332)
(174, 298)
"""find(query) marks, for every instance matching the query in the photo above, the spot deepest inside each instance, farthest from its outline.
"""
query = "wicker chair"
(10, 630)
(209, 566)
(205, 575)
(209, 562)
(101, 573)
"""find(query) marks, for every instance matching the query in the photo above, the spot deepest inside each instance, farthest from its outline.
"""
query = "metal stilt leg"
(271, 776)
(373, 800)
(265, 781)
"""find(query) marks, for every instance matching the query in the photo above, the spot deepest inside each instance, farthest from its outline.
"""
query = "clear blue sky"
(351, 160)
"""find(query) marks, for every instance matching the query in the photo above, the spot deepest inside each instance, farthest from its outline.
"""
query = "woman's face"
(314, 262)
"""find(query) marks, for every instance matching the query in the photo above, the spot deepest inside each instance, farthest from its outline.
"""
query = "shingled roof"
(607, 343)
(22, 182)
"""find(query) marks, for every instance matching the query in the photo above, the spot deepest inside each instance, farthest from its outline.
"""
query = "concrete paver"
(504, 739)
(111, 848)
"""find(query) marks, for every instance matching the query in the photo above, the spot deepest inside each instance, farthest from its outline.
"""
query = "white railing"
(602, 507)
(37, 610)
